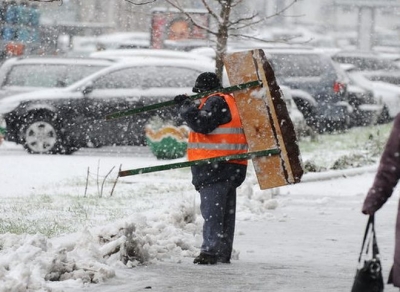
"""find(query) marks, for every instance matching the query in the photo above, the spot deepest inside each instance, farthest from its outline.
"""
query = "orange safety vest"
(226, 139)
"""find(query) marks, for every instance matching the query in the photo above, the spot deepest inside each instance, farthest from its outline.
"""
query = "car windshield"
(48, 75)
(366, 64)
(298, 65)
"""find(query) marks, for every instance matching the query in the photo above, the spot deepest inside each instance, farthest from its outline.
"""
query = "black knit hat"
(206, 81)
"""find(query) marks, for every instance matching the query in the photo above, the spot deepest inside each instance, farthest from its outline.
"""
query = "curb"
(332, 174)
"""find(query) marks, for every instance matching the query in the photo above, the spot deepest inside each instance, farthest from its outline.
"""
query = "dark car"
(63, 120)
(315, 73)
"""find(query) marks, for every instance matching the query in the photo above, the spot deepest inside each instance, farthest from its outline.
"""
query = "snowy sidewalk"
(309, 243)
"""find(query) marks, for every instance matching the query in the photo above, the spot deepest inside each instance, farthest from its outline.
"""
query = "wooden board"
(266, 121)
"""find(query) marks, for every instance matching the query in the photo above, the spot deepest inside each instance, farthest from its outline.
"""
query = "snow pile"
(33, 262)
(28, 261)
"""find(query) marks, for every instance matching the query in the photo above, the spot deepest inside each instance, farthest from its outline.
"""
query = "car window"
(35, 76)
(158, 76)
(124, 78)
(298, 65)
(48, 75)
(78, 72)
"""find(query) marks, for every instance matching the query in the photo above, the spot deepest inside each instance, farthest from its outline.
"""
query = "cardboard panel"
(265, 119)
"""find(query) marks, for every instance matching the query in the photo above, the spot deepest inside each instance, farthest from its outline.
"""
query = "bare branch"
(87, 181)
(248, 24)
(210, 11)
(104, 180)
(281, 11)
(282, 40)
(116, 180)
(233, 5)
(250, 18)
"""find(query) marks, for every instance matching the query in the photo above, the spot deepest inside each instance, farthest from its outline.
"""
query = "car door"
(112, 92)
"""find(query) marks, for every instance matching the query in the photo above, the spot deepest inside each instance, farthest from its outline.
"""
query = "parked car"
(366, 110)
(123, 40)
(384, 93)
(374, 66)
(25, 74)
(63, 120)
(315, 73)
(84, 45)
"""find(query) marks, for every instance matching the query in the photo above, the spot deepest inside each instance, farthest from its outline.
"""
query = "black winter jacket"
(215, 112)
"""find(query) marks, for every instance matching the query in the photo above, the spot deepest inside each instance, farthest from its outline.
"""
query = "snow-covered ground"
(71, 232)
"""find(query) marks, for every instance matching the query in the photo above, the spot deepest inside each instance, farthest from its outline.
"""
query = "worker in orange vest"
(216, 130)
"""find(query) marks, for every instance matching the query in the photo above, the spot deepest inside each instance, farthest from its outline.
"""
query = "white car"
(385, 94)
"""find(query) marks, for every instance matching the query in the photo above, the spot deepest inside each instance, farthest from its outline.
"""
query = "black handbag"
(369, 277)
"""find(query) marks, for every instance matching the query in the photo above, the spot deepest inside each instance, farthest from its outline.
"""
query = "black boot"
(205, 259)
(223, 260)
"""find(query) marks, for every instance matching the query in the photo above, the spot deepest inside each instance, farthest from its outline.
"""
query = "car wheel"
(40, 135)
(384, 116)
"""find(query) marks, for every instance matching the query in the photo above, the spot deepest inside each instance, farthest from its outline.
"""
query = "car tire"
(41, 135)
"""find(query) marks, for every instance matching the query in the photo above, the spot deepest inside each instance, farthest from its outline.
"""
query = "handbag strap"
(375, 249)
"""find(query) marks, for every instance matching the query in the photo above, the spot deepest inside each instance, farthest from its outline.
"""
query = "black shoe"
(205, 259)
(224, 260)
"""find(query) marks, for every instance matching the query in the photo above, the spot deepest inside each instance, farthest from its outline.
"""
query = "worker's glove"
(181, 98)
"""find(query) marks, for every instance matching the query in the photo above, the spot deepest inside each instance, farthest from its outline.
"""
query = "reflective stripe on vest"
(219, 146)
(227, 131)
(227, 139)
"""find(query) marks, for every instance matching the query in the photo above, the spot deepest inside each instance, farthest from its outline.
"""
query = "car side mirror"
(87, 89)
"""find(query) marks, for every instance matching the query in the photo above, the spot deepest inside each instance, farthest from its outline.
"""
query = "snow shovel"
(248, 155)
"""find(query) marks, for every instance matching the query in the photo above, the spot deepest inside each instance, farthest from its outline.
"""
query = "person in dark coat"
(216, 130)
(385, 181)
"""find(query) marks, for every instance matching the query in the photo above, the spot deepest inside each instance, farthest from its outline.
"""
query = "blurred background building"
(362, 20)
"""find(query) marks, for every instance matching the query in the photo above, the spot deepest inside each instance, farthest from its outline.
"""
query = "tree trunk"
(222, 38)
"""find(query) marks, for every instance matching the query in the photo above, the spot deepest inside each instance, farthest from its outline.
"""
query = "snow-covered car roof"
(365, 61)
(148, 53)
(194, 64)
(237, 47)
